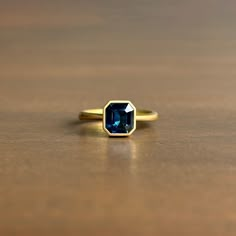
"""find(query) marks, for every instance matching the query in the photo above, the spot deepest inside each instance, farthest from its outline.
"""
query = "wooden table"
(59, 176)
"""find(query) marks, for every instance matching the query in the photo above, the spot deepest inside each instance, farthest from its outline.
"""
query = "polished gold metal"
(99, 114)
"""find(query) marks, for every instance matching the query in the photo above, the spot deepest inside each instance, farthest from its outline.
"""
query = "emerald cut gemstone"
(119, 118)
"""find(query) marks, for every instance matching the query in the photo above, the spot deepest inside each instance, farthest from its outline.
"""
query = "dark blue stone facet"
(119, 118)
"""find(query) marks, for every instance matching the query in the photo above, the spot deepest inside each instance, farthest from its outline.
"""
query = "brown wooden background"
(173, 177)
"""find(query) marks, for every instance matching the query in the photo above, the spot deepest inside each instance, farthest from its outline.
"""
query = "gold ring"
(119, 117)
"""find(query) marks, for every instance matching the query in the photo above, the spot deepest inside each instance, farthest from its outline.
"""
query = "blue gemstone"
(119, 118)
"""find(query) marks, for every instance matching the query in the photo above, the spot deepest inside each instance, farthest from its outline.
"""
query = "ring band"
(97, 114)
(119, 117)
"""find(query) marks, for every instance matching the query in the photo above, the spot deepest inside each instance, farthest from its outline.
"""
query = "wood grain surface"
(59, 176)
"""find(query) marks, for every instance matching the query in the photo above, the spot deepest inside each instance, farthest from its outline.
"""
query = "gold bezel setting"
(104, 119)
